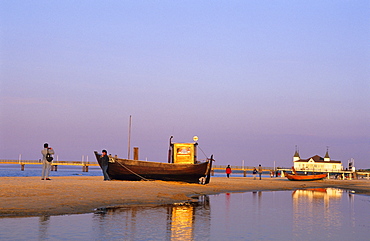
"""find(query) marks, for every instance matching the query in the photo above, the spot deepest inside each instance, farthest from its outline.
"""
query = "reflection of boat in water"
(183, 166)
(302, 177)
(179, 221)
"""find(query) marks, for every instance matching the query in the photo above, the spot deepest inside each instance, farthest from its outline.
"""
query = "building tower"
(327, 157)
(296, 156)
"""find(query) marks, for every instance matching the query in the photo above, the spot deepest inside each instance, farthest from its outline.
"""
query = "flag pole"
(129, 138)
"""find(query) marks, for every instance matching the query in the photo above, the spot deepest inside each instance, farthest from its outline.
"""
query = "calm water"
(13, 170)
(321, 214)
(35, 170)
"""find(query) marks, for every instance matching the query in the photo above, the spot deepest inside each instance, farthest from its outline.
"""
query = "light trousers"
(46, 166)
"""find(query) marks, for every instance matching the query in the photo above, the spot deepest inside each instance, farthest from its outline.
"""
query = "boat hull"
(296, 177)
(134, 170)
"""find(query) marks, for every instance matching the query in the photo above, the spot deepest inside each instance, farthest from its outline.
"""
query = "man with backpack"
(47, 158)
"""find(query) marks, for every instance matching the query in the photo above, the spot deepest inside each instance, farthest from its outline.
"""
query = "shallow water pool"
(310, 214)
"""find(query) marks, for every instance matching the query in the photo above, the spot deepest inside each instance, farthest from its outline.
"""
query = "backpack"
(49, 158)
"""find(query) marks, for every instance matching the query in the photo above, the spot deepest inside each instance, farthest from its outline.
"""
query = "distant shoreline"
(30, 196)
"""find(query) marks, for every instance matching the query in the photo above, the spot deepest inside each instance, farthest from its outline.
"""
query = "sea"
(303, 214)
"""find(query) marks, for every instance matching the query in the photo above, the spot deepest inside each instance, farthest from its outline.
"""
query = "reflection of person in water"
(228, 171)
(44, 222)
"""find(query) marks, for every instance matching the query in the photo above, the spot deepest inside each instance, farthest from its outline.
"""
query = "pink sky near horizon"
(252, 79)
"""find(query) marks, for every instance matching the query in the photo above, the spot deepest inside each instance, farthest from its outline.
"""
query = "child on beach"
(254, 173)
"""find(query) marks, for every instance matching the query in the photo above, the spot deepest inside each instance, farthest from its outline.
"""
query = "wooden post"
(85, 168)
(136, 153)
(22, 167)
(213, 172)
(245, 173)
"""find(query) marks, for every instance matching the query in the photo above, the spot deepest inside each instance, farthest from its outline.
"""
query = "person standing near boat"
(228, 171)
(104, 160)
(46, 165)
(260, 171)
(254, 173)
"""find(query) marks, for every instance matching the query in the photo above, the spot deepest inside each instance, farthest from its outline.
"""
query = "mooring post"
(22, 167)
(136, 153)
(245, 173)
(85, 168)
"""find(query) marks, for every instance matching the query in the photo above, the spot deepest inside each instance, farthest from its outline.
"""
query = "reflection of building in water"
(185, 218)
(311, 209)
(175, 222)
(181, 222)
(325, 193)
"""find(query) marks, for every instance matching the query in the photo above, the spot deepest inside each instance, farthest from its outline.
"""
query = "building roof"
(317, 158)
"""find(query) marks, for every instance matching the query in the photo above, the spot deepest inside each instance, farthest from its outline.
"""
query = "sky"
(252, 79)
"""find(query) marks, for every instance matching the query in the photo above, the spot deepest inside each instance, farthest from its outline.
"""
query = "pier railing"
(244, 169)
(54, 164)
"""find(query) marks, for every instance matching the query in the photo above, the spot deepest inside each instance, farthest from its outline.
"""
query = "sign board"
(183, 153)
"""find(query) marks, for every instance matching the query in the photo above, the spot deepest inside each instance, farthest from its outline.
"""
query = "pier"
(54, 164)
(343, 174)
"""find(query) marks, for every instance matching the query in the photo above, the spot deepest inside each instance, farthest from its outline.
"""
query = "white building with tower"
(316, 163)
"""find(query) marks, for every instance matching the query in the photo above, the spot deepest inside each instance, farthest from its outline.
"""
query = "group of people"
(255, 171)
(46, 165)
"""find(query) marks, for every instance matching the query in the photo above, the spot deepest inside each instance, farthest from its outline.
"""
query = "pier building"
(316, 163)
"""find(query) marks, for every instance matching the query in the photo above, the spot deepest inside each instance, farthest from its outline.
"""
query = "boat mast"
(170, 151)
(129, 138)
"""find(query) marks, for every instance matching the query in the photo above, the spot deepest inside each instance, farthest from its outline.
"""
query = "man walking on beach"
(104, 160)
(260, 171)
(46, 165)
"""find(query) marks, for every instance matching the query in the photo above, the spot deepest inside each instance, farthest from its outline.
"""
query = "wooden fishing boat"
(303, 177)
(183, 166)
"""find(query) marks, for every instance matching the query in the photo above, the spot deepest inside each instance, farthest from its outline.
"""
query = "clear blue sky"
(252, 79)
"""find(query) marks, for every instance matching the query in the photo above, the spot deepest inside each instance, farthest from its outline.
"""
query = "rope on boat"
(202, 181)
(145, 179)
(203, 152)
(128, 169)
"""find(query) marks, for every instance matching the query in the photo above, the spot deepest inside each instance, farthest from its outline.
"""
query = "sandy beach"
(30, 196)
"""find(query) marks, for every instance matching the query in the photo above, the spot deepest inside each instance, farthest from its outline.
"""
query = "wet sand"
(30, 196)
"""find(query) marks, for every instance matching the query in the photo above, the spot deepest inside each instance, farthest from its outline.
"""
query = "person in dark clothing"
(104, 159)
(228, 171)
(254, 173)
